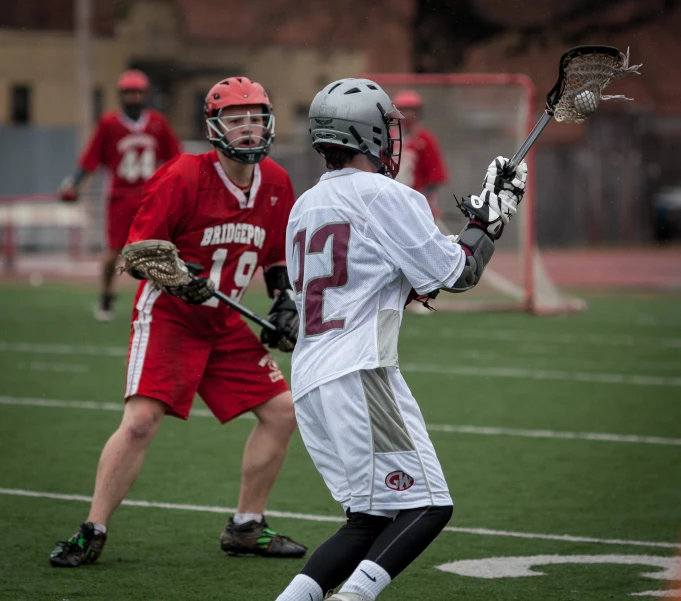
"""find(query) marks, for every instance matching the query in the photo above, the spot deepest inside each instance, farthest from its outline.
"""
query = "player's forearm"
(478, 248)
(79, 176)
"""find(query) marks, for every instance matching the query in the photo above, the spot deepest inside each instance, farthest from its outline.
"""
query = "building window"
(199, 117)
(97, 103)
(20, 104)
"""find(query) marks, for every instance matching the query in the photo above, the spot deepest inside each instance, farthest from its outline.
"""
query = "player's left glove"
(68, 191)
(197, 291)
(499, 199)
(284, 315)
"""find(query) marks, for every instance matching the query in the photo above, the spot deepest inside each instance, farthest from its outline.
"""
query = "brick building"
(186, 45)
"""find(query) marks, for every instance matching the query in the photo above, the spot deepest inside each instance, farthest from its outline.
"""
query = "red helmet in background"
(250, 140)
(133, 80)
(408, 99)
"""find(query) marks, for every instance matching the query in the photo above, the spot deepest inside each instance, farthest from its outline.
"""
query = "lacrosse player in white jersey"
(359, 246)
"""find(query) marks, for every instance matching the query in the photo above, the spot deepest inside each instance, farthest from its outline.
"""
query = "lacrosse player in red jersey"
(226, 211)
(422, 165)
(130, 143)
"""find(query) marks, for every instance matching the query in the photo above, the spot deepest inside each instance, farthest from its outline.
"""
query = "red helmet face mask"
(133, 81)
(243, 135)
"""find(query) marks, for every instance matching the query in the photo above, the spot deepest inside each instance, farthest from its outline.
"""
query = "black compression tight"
(392, 544)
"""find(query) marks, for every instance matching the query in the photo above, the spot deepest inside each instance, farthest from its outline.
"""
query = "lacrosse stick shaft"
(527, 144)
(223, 298)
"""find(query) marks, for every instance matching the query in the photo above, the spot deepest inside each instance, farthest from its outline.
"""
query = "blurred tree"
(444, 30)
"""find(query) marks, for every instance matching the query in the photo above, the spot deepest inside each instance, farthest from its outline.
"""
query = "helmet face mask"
(133, 89)
(239, 120)
(358, 115)
(243, 136)
(391, 156)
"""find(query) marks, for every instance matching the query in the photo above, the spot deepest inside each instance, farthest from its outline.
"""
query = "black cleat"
(257, 538)
(85, 546)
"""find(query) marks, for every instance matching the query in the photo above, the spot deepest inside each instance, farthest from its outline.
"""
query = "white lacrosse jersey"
(356, 244)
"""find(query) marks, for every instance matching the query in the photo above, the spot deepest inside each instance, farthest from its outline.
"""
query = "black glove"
(197, 291)
(284, 315)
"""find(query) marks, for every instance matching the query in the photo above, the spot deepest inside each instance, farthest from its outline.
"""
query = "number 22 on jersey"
(313, 288)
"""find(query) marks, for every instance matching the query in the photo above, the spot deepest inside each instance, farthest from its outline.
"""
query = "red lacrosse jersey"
(191, 202)
(130, 150)
(421, 163)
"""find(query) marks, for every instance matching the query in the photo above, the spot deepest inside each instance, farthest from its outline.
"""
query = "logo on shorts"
(399, 480)
(268, 362)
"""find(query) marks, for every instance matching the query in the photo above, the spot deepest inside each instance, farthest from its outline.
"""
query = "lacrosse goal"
(475, 118)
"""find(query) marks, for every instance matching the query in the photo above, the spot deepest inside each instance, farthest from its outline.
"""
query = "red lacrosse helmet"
(408, 99)
(244, 138)
(133, 80)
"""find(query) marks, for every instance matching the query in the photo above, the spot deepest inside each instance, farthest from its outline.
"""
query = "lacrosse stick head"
(584, 73)
(157, 261)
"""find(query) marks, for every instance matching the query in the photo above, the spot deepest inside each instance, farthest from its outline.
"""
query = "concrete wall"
(151, 34)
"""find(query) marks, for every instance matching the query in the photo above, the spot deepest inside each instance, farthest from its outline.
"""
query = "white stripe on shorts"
(140, 340)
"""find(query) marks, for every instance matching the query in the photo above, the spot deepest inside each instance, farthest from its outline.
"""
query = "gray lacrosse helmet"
(357, 114)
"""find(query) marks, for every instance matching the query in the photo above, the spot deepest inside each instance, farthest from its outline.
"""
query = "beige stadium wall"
(46, 61)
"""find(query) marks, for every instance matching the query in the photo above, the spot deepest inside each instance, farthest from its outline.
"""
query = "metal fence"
(600, 191)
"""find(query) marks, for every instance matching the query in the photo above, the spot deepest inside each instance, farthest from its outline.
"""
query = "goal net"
(475, 118)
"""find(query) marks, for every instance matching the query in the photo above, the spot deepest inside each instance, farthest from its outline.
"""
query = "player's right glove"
(284, 315)
(197, 291)
(499, 199)
(68, 192)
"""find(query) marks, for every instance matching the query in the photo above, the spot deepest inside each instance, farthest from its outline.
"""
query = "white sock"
(242, 518)
(368, 580)
(99, 528)
(302, 587)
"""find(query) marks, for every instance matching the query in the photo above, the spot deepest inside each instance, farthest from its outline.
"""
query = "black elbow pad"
(482, 249)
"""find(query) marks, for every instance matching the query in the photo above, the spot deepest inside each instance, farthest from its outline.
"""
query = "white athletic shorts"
(367, 438)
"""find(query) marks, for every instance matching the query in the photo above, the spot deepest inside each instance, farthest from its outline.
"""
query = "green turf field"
(545, 427)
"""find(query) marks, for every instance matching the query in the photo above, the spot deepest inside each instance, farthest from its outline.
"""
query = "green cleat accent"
(257, 538)
(85, 546)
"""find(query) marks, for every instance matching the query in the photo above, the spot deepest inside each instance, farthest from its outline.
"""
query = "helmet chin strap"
(364, 149)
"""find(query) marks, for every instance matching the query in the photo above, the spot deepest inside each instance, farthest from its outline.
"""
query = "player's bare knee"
(279, 412)
(141, 418)
(140, 431)
(286, 419)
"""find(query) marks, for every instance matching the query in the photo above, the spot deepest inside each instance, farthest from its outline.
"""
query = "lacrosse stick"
(584, 73)
(158, 262)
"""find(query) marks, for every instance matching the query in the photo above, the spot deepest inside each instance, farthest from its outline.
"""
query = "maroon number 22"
(313, 289)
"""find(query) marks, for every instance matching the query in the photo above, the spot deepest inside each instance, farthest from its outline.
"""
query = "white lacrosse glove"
(499, 199)
(509, 193)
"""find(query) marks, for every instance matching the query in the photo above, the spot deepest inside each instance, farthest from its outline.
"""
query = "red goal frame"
(518, 79)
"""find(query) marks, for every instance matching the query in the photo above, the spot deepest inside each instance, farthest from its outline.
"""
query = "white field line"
(480, 430)
(73, 368)
(63, 349)
(469, 370)
(541, 374)
(337, 519)
(552, 339)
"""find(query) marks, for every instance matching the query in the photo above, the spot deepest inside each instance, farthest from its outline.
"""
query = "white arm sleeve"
(402, 223)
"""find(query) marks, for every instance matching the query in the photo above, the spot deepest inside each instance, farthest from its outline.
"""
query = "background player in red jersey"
(130, 144)
(422, 166)
(227, 210)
